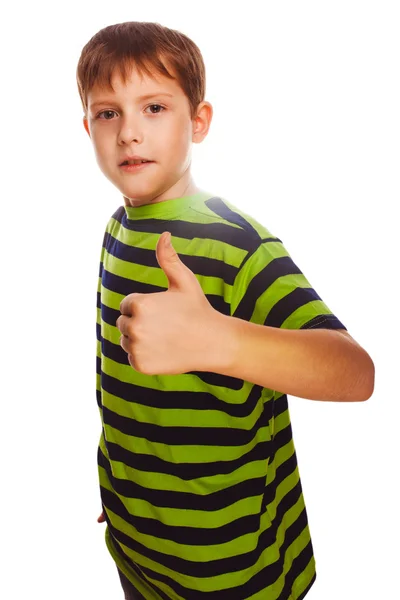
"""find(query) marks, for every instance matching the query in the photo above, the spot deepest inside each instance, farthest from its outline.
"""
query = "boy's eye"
(105, 112)
(159, 105)
(113, 111)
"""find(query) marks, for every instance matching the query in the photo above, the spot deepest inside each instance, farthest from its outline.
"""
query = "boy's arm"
(317, 364)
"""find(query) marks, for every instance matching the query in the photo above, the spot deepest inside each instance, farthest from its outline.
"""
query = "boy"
(198, 473)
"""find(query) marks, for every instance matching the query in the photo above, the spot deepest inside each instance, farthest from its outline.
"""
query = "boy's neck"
(190, 190)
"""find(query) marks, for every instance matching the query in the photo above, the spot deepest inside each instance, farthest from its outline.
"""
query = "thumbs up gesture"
(174, 331)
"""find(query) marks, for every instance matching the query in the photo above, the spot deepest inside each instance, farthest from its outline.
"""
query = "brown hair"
(145, 45)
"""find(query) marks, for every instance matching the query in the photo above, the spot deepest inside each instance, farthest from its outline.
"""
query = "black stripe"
(183, 500)
(189, 470)
(298, 566)
(98, 365)
(122, 285)
(282, 472)
(286, 306)
(98, 398)
(220, 208)
(278, 267)
(116, 353)
(280, 405)
(139, 571)
(194, 400)
(217, 232)
(182, 535)
(324, 322)
(178, 436)
(201, 265)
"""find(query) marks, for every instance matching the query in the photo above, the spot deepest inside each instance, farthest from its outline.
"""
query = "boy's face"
(121, 123)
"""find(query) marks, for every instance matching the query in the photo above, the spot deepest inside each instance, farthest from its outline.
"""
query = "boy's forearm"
(318, 364)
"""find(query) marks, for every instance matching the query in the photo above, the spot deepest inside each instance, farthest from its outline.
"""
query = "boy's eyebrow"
(144, 97)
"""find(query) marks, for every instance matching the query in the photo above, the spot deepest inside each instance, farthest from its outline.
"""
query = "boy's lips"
(134, 168)
(134, 158)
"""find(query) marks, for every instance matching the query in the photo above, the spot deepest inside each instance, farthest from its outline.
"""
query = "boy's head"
(117, 66)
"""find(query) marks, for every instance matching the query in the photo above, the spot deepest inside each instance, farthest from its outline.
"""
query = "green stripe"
(175, 517)
(177, 383)
(170, 417)
(180, 453)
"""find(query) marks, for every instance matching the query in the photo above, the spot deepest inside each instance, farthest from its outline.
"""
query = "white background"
(305, 138)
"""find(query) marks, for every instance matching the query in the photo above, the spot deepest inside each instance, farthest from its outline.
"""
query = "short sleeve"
(270, 289)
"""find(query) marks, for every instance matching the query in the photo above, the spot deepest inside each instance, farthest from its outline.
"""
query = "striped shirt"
(198, 472)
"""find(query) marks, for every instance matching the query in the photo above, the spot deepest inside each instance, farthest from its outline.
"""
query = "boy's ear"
(86, 125)
(202, 121)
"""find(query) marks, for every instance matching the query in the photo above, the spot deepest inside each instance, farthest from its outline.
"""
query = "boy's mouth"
(134, 162)
(131, 166)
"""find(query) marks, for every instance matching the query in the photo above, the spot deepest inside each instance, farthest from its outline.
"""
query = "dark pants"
(130, 591)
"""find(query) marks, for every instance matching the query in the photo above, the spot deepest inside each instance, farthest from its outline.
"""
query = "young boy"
(198, 473)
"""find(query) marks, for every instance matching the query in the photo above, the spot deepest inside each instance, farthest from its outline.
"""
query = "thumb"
(101, 518)
(178, 274)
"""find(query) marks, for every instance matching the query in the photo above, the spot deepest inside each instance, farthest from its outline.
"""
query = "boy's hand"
(101, 518)
(171, 332)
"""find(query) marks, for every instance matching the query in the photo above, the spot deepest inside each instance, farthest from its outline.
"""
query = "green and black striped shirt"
(198, 472)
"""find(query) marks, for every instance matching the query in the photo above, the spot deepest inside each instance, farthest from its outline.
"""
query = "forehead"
(136, 84)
